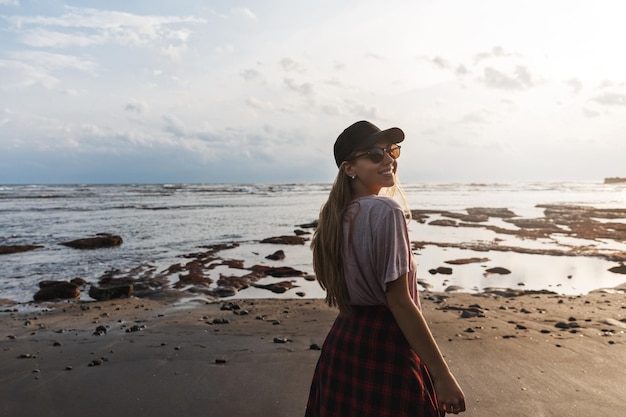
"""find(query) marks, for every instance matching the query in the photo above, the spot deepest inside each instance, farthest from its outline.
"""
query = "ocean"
(160, 223)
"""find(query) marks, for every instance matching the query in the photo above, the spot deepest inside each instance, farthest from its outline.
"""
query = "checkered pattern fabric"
(367, 369)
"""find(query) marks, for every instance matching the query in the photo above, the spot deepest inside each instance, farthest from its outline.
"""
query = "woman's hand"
(450, 397)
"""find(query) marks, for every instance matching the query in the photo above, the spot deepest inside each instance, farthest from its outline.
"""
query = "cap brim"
(387, 136)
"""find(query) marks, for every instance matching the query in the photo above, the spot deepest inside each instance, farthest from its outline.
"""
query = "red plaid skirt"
(367, 369)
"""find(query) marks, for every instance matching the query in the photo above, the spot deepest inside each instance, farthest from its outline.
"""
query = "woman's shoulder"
(381, 203)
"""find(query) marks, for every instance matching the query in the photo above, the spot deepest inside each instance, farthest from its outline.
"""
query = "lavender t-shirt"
(376, 250)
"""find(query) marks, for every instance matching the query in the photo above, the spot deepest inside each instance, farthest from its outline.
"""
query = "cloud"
(440, 62)
(250, 74)
(304, 89)
(5, 116)
(496, 52)
(10, 2)
(445, 65)
(258, 104)
(363, 111)
(610, 99)
(173, 53)
(590, 113)
(225, 49)
(103, 26)
(289, 65)
(135, 106)
(330, 110)
(521, 79)
(16, 75)
(575, 83)
(174, 126)
(54, 61)
(29, 68)
(43, 38)
(243, 12)
(461, 70)
(475, 118)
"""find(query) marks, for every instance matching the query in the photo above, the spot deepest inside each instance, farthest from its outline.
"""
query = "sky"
(257, 91)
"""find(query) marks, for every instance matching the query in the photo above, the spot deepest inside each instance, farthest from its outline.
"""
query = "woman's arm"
(450, 397)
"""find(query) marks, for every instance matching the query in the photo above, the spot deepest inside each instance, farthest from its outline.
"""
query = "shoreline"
(570, 250)
(514, 355)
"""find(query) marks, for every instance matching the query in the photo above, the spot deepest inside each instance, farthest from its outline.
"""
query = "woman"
(379, 358)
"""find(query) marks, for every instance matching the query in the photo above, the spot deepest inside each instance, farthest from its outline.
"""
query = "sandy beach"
(182, 346)
(514, 355)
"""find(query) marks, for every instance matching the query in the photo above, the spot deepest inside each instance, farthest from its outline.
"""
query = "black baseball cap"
(363, 135)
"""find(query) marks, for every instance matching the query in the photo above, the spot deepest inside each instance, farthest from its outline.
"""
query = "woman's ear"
(348, 169)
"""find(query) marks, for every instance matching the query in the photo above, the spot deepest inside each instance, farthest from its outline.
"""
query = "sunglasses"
(376, 154)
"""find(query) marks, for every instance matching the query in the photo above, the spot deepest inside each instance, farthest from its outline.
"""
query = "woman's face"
(371, 176)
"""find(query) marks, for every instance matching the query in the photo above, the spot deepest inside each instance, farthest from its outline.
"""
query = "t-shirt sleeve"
(391, 247)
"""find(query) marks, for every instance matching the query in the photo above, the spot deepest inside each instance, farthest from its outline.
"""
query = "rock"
(613, 322)
(497, 270)
(469, 314)
(279, 255)
(443, 270)
(100, 330)
(96, 242)
(230, 306)
(618, 269)
(443, 222)
(194, 277)
(50, 283)
(237, 282)
(614, 180)
(467, 261)
(233, 263)
(8, 249)
(285, 240)
(135, 328)
(53, 290)
(78, 281)
(491, 212)
(278, 287)
(98, 362)
(278, 272)
(110, 293)
(472, 218)
(311, 225)
(424, 284)
(226, 291)
(564, 325)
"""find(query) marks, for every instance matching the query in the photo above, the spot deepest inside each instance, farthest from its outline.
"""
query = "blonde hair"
(327, 242)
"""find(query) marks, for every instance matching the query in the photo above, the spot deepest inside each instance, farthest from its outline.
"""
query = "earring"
(353, 177)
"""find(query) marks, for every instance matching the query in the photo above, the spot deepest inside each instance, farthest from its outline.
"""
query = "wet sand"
(524, 355)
